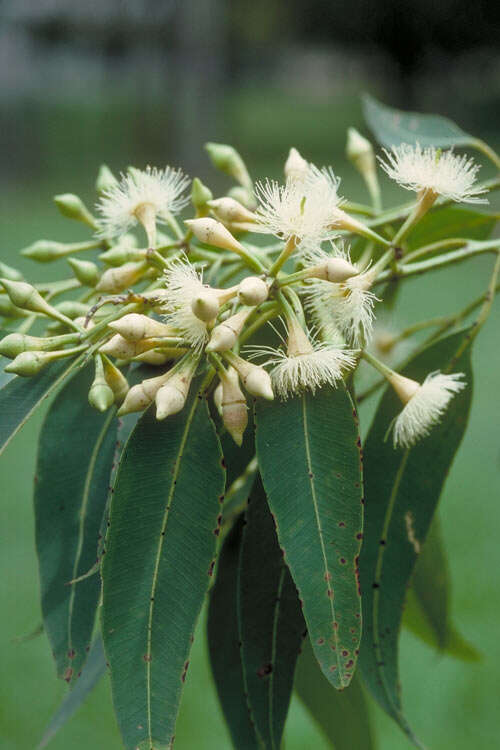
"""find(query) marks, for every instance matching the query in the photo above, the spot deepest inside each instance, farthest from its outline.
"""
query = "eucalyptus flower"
(428, 169)
(424, 405)
(147, 197)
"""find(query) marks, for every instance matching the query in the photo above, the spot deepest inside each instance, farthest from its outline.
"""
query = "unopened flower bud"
(101, 396)
(16, 343)
(119, 347)
(8, 310)
(135, 327)
(73, 207)
(205, 305)
(212, 232)
(157, 357)
(44, 251)
(296, 166)
(335, 270)
(228, 160)
(360, 151)
(229, 210)
(171, 397)
(26, 297)
(225, 335)
(116, 380)
(27, 364)
(200, 194)
(85, 271)
(140, 396)
(253, 291)
(121, 254)
(234, 406)
(115, 280)
(255, 379)
(105, 179)
(12, 274)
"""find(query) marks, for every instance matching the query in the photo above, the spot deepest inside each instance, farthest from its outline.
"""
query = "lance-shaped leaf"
(159, 557)
(20, 397)
(343, 715)
(94, 669)
(309, 456)
(224, 643)
(392, 127)
(271, 623)
(74, 462)
(402, 491)
(451, 221)
(427, 605)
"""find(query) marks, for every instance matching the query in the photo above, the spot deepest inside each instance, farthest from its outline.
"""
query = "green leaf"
(426, 611)
(20, 397)
(309, 456)
(392, 127)
(223, 633)
(451, 221)
(342, 715)
(94, 668)
(402, 491)
(160, 552)
(74, 462)
(271, 623)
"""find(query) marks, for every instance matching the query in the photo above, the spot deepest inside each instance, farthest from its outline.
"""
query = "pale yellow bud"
(119, 347)
(212, 232)
(228, 160)
(115, 280)
(225, 335)
(158, 357)
(116, 380)
(140, 396)
(230, 210)
(253, 291)
(336, 270)
(360, 151)
(255, 379)
(135, 327)
(171, 397)
(234, 406)
(205, 305)
(296, 166)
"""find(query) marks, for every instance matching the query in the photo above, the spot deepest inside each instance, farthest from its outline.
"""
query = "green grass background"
(451, 705)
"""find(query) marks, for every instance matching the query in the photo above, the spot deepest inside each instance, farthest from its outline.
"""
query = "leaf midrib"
(175, 473)
(81, 521)
(310, 475)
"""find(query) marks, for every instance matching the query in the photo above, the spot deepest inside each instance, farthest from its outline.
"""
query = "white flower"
(425, 407)
(306, 364)
(349, 305)
(157, 191)
(183, 284)
(295, 209)
(443, 173)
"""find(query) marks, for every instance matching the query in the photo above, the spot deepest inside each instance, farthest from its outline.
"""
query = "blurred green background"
(133, 83)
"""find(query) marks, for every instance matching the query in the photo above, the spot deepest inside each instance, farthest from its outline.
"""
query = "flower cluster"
(168, 301)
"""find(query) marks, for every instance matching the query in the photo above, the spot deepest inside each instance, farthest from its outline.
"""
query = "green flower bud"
(26, 297)
(72, 309)
(16, 343)
(27, 364)
(115, 280)
(101, 396)
(119, 255)
(85, 271)
(73, 207)
(44, 251)
(228, 160)
(105, 179)
(8, 310)
(12, 274)
(200, 194)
